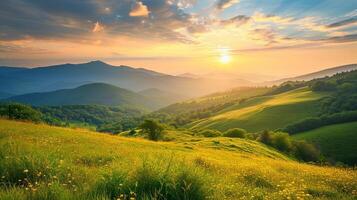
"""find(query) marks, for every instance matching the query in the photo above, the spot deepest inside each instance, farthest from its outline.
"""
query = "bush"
(210, 133)
(266, 138)
(282, 141)
(235, 133)
(153, 129)
(305, 151)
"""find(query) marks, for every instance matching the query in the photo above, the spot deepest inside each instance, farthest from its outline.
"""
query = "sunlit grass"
(59, 163)
(267, 112)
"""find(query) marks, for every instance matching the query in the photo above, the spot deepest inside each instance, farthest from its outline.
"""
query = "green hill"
(266, 112)
(42, 162)
(335, 141)
(95, 93)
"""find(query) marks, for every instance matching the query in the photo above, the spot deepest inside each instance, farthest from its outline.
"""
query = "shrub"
(282, 142)
(266, 138)
(305, 151)
(153, 129)
(235, 133)
(210, 133)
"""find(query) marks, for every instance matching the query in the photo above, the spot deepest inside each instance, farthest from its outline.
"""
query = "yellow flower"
(26, 170)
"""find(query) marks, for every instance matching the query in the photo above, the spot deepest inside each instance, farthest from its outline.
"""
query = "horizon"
(273, 77)
(182, 36)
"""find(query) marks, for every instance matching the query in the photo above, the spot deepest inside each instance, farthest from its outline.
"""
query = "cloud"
(343, 23)
(342, 39)
(97, 28)
(77, 20)
(263, 34)
(223, 4)
(139, 10)
(236, 21)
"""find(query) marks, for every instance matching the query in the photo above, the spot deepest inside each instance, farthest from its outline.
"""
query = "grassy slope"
(268, 112)
(337, 141)
(75, 161)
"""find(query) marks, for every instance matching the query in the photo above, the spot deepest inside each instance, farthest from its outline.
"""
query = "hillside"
(163, 98)
(96, 93)
(194, 109)
(57, 163)
(265, 112)
(335, 141)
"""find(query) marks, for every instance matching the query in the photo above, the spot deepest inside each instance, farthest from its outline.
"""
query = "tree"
(20, 112)
(153, 129)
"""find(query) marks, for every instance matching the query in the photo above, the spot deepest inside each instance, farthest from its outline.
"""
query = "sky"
(271, 37)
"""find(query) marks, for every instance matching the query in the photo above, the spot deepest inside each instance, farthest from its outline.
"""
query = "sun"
(225, 58)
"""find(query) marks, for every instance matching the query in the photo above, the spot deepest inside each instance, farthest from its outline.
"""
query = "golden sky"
(178, 36)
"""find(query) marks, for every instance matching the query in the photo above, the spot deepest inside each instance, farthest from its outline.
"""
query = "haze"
(177, 36)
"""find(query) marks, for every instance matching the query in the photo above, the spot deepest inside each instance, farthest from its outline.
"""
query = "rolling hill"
(264, 113)
(43, 162)
(95, 93)
(335, 141)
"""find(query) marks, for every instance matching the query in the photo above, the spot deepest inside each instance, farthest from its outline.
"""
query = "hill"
(318, 74)
(265, 112)
(335, 141)
(96, 93)
(64, 76)
(163, 98)
(194, 109)
(42, 162)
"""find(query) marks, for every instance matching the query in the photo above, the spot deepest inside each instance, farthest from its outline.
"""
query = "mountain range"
(44, 79)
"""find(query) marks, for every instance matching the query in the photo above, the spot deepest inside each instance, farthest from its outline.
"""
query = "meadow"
(43, 162)
(260, 113)
(336, 141)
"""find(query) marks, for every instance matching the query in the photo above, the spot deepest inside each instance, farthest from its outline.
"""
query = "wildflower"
(26, 171)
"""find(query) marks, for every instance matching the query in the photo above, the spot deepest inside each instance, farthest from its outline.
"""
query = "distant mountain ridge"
(90, 94)
(318, 74)
(65, 76)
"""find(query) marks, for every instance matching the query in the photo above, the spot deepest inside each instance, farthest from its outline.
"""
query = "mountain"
(65, 76)
(162, 97)
(5, 70)
(318, 74)
(95, 93)
(4, 95)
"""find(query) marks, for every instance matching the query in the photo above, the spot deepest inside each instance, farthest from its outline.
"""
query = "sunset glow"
(286, 38)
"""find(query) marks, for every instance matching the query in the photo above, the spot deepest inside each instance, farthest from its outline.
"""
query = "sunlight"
(225, 59)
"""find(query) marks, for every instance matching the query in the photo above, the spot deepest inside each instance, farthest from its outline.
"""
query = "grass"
(43, 162)
(267, 112)
(335, 141)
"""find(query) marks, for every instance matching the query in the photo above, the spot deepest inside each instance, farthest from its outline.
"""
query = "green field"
(267, 112)
(43, 162)
(336, 141)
